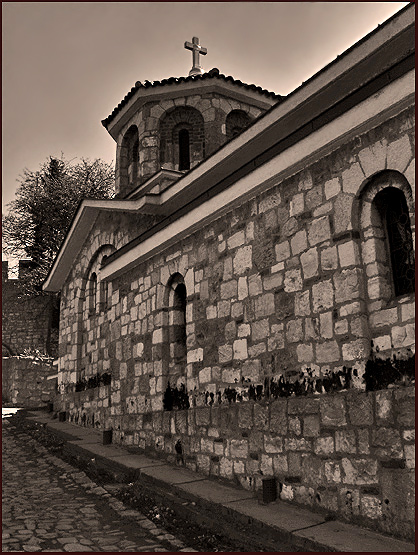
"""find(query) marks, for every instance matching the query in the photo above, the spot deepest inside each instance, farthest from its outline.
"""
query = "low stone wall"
(25, 382)
(350, 454)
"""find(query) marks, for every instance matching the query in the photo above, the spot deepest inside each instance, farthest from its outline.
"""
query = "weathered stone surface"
(324, 445)
(360, 409)
(278, 416)
(387, 443)
(359, 471)
(332, 410)
(352, 179)
(345, 441)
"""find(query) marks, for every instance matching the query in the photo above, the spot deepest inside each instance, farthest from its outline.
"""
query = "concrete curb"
(225, 508)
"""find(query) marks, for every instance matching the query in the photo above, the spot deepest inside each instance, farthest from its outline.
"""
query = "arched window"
(182, 138)
(92, 293)
(184, 149)
(175, 332)
(393, 210)
(236, 121)
(129, 160)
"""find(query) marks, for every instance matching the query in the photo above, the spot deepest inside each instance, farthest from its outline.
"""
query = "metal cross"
(195, 47)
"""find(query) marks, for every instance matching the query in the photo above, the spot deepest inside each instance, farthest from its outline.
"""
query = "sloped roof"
(212, 74)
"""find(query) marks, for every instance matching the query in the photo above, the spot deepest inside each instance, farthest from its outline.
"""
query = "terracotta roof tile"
(208, 75)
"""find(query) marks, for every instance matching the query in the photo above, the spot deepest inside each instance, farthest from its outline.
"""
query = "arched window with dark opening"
(393, 210)
(182, 138)
(184, 150)
(92, 293)
(236, 122)
(178, 325)
(175, 344)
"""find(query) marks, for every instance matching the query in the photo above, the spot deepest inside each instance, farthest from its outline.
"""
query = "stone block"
(251, 371)
(269, 202)
(311, 426)
(310, 263)
(239, 448)
(328, 351)
(360, 408)
(255, 286)
(294, 330)
(280, 465)
(297, 204)
(384, 407)
(405, 406)
(359, 471)
(282, 251)
(371, 507)
(243, 260)
(295, 426)
(347, 285)
(319, 231)
(264, 305)
(356, 350)
(261, 417)
(302, 303)
(273, 444)
(399, 154)
(231, 375)
(324, 445)
(245, 415)
(345, 441)
(278, 416)
(329, 258)
(373, 158)
(304, 352)
(387, 443)
(272, 281)
(299, 242)
(332, 188)
(242, 288)
(312, 470)
(240, 349)
(293, 280)
(194, 356)
(384, 317)
(332, 410)
(403, 336)
(326, 323)
(343, 205)
(410, 456)
(352, 179)
(363, 441)
(297, 444)
(229, 289)
(303, 405)
(225, 353)
(260, 330)
(348, 254)
(407, 312)
(322, 296)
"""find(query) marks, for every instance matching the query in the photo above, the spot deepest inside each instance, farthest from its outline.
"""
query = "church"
(247, 297)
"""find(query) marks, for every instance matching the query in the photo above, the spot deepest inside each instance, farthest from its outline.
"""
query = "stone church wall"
(350, 453)
(291, 281)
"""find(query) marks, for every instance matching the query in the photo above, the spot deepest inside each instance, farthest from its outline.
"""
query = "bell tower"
(163, 129)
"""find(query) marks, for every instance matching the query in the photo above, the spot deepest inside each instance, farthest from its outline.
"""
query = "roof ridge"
(214, 72)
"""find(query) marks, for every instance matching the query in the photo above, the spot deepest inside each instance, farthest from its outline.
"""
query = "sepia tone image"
(208, 276)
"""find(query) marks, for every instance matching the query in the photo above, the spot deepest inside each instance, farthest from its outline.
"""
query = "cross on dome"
(195, 47)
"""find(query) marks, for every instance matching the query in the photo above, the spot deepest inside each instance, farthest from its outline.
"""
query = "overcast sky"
(66, 65)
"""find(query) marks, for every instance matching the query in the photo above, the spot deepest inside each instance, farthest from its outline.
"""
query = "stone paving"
(50, 506)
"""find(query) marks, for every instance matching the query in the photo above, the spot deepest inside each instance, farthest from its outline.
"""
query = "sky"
(66, 65)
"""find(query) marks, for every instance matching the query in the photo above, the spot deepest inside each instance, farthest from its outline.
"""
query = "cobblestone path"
(50, 506)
